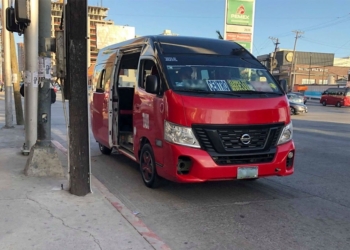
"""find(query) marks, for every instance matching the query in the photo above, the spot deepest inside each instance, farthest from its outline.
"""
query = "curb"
(134, 221)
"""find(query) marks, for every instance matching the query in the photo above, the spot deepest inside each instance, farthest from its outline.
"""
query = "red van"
(336, 96)
(191, 110)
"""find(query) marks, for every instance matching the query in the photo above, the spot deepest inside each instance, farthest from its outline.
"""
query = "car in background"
(336, 96)
(295, 98)
(300, 94)
(296, 104)
(297, 108)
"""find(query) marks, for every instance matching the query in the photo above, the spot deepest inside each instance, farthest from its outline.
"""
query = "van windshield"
(218, 79)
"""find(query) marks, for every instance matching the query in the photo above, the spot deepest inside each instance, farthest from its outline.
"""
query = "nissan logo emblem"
(245, 139)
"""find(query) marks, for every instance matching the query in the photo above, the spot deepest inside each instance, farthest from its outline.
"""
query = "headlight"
(180, 135)
(287, 134)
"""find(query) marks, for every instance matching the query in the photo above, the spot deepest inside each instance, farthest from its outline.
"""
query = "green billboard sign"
(246, 45)
(240, 12)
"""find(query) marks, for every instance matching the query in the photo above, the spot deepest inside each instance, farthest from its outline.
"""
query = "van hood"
(214, 110)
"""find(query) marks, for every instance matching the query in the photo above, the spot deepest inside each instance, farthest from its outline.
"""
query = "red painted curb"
(135, 221)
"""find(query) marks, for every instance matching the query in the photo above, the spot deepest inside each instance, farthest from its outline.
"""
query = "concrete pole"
(7, 69)
(31, 34)
(79, 142)
(43, 159)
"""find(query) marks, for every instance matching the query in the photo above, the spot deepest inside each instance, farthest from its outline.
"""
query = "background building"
(310, 67)
(96, 15)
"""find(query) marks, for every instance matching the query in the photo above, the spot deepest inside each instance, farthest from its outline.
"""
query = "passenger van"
(191, 110)
(336, 96)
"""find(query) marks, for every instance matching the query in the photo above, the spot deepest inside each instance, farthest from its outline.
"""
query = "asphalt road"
(308, 210)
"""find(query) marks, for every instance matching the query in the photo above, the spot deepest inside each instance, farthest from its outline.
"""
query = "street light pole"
(31, 34)
(43, 159)
(7, 69)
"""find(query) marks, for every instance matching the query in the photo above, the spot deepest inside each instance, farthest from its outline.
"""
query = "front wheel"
(148, 167)
(292, 111)
(338, 105)
(324, 103)
(104, 150)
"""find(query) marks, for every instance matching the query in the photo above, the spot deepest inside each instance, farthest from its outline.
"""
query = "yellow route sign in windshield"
(238, 85)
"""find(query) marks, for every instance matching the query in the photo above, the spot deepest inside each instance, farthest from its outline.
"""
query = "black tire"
(104, 150)
(324, 103)
(148, 167)
(338, 105)
(292, 111)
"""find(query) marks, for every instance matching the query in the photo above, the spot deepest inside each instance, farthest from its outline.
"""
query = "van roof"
(187, 45)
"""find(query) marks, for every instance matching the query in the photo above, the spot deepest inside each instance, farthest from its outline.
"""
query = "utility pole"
(79, 143)
(16, 87)
(276, 43)
(309, 69)
(43, 159)
(7, 69)
(292, 70)
(31, 34)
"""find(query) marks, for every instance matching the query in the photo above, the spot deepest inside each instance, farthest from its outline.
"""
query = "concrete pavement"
(37, 213)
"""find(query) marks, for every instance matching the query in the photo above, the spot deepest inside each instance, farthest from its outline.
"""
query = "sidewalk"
(35, 213)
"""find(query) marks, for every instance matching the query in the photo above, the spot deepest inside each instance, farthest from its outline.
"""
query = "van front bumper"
(204, 168)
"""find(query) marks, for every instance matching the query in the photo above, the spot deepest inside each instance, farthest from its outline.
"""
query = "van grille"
(226, 146)
(243, 159)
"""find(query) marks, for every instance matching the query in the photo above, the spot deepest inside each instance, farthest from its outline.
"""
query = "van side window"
(148, 67)
(101, 82)
(127, 76)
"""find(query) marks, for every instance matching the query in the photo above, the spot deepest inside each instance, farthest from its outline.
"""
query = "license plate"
(247, 173)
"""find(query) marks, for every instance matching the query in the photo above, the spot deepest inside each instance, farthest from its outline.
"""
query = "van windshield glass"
(216, 79)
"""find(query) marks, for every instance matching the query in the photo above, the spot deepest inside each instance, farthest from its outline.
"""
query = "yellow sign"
(237, 85)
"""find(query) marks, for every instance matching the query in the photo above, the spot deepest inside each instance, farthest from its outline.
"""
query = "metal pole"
(293, 60)
(79, 143)
(44, 105)
(225, 22)
(7, 69)
(31, 34)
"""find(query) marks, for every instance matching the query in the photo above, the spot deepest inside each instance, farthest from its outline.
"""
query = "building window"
(323, 81)
(308, 81)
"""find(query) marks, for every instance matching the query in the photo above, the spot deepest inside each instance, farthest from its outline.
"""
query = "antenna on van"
(238, 51)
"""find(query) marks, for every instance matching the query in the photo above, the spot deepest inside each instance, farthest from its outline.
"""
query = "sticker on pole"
(41, 72)
(47, 62)
(35, 79)
(27, 78)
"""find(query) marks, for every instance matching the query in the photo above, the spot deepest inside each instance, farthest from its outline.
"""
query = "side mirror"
(283, 84)
(152, 84)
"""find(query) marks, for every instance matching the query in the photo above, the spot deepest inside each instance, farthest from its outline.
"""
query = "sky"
(325, 23)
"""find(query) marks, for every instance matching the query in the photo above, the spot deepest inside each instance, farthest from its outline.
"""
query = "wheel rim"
(101, 147)
(291, 110)
(147, 166)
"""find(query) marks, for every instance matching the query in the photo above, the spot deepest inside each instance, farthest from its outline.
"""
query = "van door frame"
(120, 53)
(111, 102)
